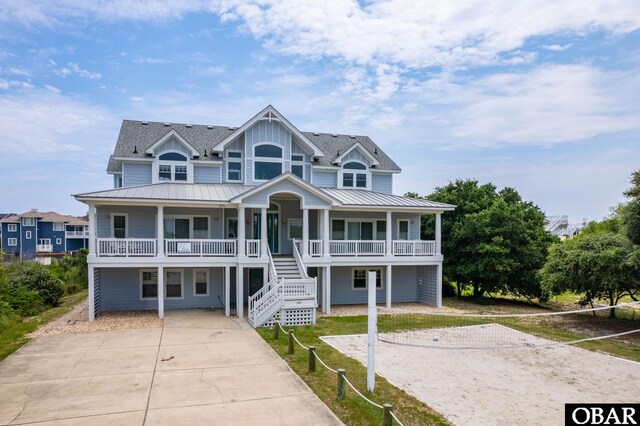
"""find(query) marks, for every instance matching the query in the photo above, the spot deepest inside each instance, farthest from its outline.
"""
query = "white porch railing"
(356, 248)
(44, 248)
(200, 247)
(77, 234)
(126, 247)
(414, 248)
(253, 248)
(316, 248)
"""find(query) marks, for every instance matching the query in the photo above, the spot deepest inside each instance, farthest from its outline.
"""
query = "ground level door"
(255, 280)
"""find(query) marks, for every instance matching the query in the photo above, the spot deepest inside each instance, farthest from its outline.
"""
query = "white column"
(160, 292)
(241, 232)
(389, 270)
(439, 286)
(389, 235)
(438, 235)
(91, 297)
(160, 231)
(328, 290)
(92, 231)
(239, 290)
(227, 291)
(263, 232)
(265, 276)
(305, 232)
(326, 231)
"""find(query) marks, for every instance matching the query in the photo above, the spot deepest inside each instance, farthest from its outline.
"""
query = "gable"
(285, 184)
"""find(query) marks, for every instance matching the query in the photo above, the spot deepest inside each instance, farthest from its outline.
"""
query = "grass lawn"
(354, 411)
(13, 336)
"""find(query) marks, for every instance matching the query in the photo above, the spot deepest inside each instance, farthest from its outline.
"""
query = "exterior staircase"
(290, 296)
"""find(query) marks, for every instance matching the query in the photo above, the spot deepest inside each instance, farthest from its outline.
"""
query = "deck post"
(263, 232)
(305, 232)
(276, 330)
(327, 292)
(438, 235)
(312, 359)
(92, 231)
(325, 234)
(389, 235)
(388, 420)
(160, 231)
(388, 279)
(91, 297)
(290, 346)
(239, 290)
(160, 292)
(342, 385)
(227, 291)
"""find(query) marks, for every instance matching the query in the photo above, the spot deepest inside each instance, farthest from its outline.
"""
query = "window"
(180, 173)
(45, 241)
(361, 180)
(360, 278)
(164, 172)
(173, 284)
(360, 231)
(148, 284)
(200, 282)
(337, 230)
(58, 226)
(234, 171)
(268, 162)
(119, 226)
(298, 170)
(172, 156)
(295, 229)
(297, 157)
(403, 229)
(118, 181)
(354, 166)
(27, 235)
(234, 154)
(351, 178)
(58, 241)
(347, 179)
(12, 241)
(381, 230)
(232, 227)
(200, 227)
(28, 221)
(13, 227)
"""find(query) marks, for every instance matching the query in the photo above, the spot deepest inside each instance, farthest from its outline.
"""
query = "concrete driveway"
(200, 368)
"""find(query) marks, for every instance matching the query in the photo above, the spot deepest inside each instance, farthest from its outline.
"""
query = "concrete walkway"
(200, 368)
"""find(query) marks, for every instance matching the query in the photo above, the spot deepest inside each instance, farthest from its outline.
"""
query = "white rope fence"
(389, 415)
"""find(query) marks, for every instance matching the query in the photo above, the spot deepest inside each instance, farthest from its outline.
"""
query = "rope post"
(290, 347)
(388, 420)
(312, 359)
(276, 330)
(342, 385)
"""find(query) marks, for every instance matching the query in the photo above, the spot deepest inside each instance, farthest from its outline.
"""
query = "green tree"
(631, 215)
(600, 265)
(493, 241)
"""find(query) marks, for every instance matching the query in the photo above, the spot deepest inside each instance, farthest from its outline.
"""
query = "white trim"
(226, 229)
(191, 224)
(27, 235)
(234, 160)
(126, 224)
(212, 163)
(58, 223)
(141, 282)
(173, 133)
(47, 241)
(275, 116)
(293, 179)
(59, 241)
(364, 151)
(133, 159)
(12, 227)
(31, 219)
(195, 274)
(355, 173)
(366, 269)
(12, 242)
(398, 229)
(373, 221)
(255, 158)
(166, 282)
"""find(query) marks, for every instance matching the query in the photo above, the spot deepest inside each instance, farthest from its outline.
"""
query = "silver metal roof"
(360, 197)
(173, 191)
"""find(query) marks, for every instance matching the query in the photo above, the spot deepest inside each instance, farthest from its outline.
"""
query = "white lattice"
(304, 316)
(271, 321)
(428, 285)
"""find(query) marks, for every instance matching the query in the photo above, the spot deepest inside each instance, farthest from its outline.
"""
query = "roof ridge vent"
(187, 125)
(316, 134)
(167, 124)
(144, 123)
(209, 126)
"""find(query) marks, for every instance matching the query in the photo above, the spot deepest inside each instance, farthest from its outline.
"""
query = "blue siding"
(120, 290)
(5, 239)
(141, 221)
(325, 179)
(382, 183)
(206, 174)
(404, 286)
(355, 155)
(136, 174)
(28, 245)
(414, 225)
(45, 230)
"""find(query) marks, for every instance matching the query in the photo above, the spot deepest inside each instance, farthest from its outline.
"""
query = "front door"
(273, 230)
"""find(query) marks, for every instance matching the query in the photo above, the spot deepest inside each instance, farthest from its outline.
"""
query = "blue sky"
(543, 96)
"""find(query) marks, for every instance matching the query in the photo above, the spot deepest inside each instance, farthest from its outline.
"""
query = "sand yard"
(514, 386)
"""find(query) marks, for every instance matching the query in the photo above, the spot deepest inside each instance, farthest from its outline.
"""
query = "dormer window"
(355, 175)
(268, 161)
(172, 167)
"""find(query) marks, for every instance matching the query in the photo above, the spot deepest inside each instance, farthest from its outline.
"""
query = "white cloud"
(557, 47)
(152, 61)
(205, 71)
(74, 69)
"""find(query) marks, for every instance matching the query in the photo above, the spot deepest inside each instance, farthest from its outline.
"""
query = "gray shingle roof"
(360, 197)
(134, 135)
(46, 217)
(221, 192)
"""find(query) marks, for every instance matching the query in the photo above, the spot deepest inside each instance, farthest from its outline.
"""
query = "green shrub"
(35, 277)
(26, 302)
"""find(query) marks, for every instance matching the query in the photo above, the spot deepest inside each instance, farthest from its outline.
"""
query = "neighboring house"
(263, 215)
(2, 216)
(561, 228)
(35, 233)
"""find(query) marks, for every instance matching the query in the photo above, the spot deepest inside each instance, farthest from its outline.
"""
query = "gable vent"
(144, 123)
(187, 125)
(167, 124)
(209, 127)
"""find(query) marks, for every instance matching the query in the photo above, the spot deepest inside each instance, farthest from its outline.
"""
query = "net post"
(290, 345)
(312, 359)
(372, 331)
(276, 330)
(388, 420)
(342, 385)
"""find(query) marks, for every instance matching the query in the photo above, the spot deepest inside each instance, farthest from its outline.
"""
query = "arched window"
(172, 166)
(355, 175)
(267, 162)
(172, 156)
